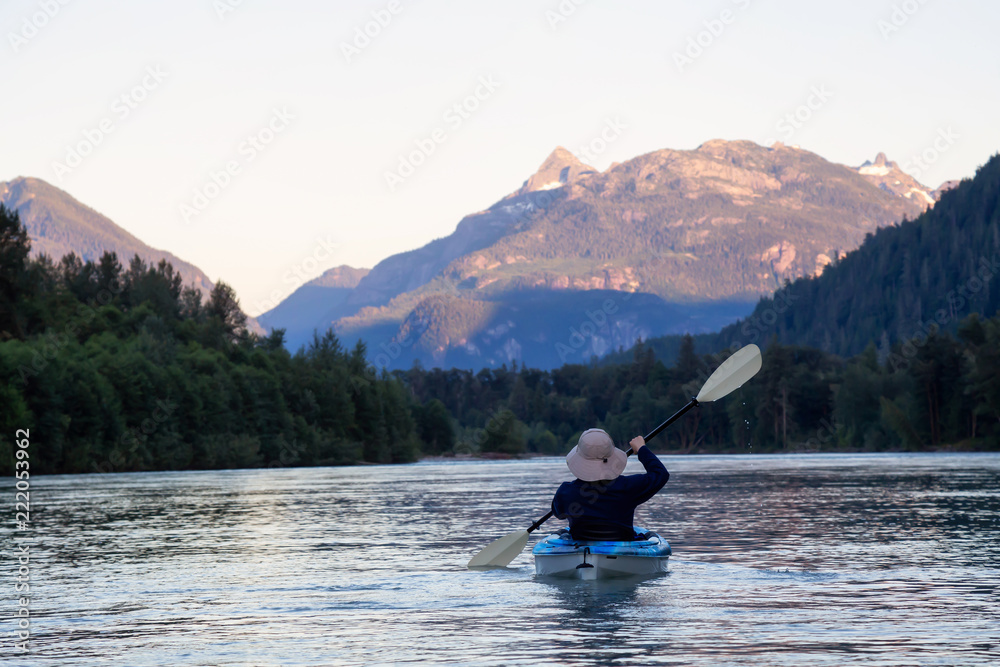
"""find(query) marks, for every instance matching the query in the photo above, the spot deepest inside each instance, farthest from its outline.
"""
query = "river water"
(778, 560)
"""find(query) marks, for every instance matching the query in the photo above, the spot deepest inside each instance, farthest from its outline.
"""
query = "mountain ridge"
(58, 224)
(727, 222)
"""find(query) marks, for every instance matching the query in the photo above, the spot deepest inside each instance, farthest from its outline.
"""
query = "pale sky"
(200, 77)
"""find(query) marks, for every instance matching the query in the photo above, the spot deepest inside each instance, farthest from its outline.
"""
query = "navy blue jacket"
(605, 510)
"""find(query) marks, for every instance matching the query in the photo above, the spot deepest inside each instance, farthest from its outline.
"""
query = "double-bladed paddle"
(727, 378)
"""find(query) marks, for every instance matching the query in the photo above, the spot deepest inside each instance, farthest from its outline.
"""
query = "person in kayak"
(600, 503)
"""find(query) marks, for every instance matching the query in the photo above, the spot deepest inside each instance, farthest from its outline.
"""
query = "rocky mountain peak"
(880, 167)
(23, 188)
(889, 177)
(558, 169)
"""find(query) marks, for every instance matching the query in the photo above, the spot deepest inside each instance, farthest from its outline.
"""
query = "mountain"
(325, 295)
(408, 271)
(898, 285)
(58, 224)
(704, 233)
(405, 272)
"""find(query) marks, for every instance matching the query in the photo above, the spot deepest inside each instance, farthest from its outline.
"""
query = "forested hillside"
(118, 368)
(928, 273)
(902, 280)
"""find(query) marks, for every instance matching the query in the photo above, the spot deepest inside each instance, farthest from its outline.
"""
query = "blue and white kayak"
(559, 555)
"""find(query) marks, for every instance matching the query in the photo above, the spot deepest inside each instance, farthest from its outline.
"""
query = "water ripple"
(804, 560)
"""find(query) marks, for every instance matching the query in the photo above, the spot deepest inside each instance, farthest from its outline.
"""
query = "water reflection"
(594, 618)
(777, 560)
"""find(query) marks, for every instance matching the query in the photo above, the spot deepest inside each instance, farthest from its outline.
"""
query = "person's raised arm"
(646, 486)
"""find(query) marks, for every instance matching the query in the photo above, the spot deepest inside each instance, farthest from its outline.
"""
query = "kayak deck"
(559, 555)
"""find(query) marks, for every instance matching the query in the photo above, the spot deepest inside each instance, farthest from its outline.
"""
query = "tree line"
(930, 392)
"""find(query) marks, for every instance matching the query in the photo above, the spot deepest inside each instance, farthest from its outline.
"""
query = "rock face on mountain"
(59, 224)
(702, 233)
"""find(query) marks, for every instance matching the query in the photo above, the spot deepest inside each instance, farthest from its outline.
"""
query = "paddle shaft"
(677, 415)
(652, 434)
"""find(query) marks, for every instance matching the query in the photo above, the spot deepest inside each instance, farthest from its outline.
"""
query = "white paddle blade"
(501, 552)
(731, 375)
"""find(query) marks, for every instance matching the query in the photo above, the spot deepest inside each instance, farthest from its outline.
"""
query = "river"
(778, 560)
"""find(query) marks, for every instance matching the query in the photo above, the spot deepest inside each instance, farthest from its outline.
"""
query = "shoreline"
(951, 449)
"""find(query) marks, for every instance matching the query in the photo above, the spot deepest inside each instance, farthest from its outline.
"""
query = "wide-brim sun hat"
(595, 457)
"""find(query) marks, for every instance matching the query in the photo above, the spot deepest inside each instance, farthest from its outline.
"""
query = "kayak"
(559, 555)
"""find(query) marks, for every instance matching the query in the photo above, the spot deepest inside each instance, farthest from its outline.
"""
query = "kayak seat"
(596, 531)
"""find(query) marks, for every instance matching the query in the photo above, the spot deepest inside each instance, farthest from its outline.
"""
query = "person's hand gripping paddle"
(726, 379)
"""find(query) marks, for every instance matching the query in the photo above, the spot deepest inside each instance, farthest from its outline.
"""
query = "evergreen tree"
(14, 248)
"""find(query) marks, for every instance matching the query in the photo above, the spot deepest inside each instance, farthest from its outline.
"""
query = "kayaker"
(600, 502)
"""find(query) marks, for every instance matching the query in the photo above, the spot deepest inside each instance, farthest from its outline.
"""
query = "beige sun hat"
(595, 457)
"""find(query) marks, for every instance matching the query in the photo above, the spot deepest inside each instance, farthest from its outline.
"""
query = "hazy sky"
(308, 118)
